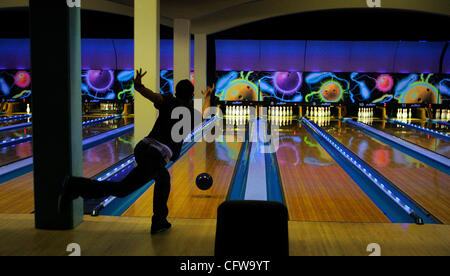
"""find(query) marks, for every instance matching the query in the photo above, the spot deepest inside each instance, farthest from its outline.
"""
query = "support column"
(146, 56)
(181, 50)
(57, 152)
(200, 64)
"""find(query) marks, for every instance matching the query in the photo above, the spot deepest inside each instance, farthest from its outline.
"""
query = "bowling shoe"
(160, 227)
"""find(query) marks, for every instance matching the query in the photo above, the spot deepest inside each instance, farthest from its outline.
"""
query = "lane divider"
(425, 130)
(438, 122)
(433, 159)
(27, 138)
(113, 206)
(24, 166)
(14, 118)
(390, 195)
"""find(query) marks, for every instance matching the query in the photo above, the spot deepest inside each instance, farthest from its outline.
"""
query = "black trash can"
(247, 228)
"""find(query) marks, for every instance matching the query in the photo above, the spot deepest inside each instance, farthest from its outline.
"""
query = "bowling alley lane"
(426, 185)
(14, 122)
(16, 195)
(424, 140)
(316, 188)
(187, 201)
(24, 150)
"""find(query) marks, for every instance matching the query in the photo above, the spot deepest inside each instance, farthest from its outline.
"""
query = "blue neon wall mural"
(333, 88)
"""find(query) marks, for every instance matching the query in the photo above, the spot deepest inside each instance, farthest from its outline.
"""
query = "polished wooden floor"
(316, 188)
(25, 150)
(16, 195)
(186, 200)
(426, 185)
(424, 140)
(129, 236)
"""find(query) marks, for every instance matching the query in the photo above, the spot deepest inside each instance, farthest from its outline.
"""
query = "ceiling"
(191, 9)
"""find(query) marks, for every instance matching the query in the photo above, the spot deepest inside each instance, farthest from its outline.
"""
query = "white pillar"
(200, 63)
(181, 50)
(146, 56)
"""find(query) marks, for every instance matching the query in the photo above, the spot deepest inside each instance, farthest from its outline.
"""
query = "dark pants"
(150, 166)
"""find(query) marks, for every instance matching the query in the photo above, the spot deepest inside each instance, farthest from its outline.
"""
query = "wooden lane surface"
(424, 184)
(129, 236)
(16, 195)
(429, 142)
(186, 200)
(24, 150)
(316, 188)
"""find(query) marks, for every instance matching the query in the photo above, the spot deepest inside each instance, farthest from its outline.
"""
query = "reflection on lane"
(24, 150)
(316, 187)
(424, 184)
(416, 137)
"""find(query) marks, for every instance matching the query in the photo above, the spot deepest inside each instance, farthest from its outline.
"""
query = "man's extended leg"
(160, 198)
(149, 162)
(161, 195)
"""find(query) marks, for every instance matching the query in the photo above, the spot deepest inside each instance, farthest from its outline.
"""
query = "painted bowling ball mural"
(237, 87)
(325, 87)
(331, 91)
(333, 87)
(420, 93)
(384, 83)
(22, 79)
(241, 91)
(99, 84)
(287, 82)
(99, 80)
(415, 89)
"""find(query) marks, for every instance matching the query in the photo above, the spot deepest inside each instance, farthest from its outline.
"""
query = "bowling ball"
(287, 82)
(384, 83)
(420, 93)
(100, 80)
(241, 91)
(204, 181)
(22, 79)
(331, 92)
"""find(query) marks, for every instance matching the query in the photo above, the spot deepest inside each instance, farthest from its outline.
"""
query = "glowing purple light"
(100, 81)
(287, 82)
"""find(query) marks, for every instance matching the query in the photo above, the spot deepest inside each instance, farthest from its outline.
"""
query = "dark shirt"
(162, 130)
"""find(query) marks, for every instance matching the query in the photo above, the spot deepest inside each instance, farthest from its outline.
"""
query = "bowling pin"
(409, 113)
(438, 114)
(444, 115)
(28, 108)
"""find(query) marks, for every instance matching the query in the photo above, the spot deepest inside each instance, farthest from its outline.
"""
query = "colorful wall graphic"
(14, 85)
(107, 85)
(329, 87)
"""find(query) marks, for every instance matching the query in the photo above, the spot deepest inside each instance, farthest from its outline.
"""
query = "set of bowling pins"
(277, 111)
(365, 112)
(403, 113)
(109, 107)
(236, 120)
(237, 110)
(280, 120)
(366, 120)
(321, 121)
(443, 115)
(318, 112)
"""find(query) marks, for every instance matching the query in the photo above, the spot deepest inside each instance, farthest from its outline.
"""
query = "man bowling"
(151, 154)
